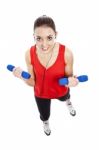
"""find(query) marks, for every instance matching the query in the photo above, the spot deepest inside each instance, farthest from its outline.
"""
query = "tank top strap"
(61, 52)
(32, 54)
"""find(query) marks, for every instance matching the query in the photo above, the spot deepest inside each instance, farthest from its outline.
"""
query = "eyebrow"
(47, 36)
(38, 36)
(50, 35)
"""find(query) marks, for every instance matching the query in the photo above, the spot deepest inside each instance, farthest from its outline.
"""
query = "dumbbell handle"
(24, 74)
(82, 78)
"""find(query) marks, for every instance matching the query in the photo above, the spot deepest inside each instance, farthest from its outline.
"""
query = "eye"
(38, 38)
(49, 38)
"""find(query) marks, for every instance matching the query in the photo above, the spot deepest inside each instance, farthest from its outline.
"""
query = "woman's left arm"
(69, 60)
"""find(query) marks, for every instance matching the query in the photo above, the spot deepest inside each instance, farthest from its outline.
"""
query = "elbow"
(30, 82)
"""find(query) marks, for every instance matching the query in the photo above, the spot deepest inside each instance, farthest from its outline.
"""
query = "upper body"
(47, 51)
(46, 71)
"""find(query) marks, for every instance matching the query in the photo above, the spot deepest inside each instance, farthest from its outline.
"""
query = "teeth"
(44, 48)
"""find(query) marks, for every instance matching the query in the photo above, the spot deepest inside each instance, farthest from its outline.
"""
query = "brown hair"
(44, 21)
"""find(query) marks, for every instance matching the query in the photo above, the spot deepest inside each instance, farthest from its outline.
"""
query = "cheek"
(38, 44)
(51, 43)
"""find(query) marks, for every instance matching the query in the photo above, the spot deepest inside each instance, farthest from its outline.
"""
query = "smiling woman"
(44, 33)
(48, 61)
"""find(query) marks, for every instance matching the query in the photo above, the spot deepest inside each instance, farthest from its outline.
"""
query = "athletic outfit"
(47, 82)
(47, 85)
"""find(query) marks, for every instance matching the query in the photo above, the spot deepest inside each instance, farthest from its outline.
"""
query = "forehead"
(44, 31)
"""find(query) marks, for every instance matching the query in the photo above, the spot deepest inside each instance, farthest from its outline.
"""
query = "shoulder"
(29, 53)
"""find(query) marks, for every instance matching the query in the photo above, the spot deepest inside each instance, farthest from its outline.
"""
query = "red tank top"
(47, 80)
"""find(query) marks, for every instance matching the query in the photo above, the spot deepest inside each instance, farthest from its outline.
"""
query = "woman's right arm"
(31, 80)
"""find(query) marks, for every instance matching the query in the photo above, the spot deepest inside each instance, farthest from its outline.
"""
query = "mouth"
(45, 49)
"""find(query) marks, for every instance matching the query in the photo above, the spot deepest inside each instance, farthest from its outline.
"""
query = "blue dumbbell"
(24, 74)
(82, 78)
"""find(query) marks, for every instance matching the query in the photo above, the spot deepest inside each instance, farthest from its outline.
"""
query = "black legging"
(44, 105)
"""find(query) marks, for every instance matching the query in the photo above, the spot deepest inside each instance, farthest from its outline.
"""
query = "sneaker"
(46, 127)
(71, 108)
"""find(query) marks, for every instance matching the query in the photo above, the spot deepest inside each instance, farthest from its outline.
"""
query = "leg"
(44, 110)
(43, 107)
(68, 103)
(70, 107)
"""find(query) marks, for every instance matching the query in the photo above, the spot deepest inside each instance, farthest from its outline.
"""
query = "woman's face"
(44, 38)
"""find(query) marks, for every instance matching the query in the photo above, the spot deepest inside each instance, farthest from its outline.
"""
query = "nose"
(44, 43)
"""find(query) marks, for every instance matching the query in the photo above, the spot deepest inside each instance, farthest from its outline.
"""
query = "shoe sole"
(73, 114)
(47, 133)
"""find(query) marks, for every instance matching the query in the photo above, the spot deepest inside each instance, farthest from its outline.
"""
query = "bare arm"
(69, 62)
(73, 81)
(31, 80)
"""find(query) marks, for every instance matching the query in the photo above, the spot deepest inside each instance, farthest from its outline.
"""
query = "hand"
(17, 71)
(73, 81)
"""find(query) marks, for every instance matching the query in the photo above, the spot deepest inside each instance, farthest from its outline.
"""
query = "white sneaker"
(46, 127)
(71, 108)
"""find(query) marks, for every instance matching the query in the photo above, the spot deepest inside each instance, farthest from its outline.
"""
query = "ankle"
(68, 102)
(46, 122)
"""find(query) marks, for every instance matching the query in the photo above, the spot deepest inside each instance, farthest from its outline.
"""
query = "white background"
(77, 24)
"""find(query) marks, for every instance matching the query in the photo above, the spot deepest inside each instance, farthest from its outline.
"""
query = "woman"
(48, 61)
